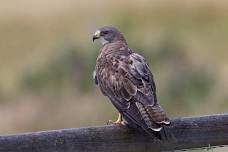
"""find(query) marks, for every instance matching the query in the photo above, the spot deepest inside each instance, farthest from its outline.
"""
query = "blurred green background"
(47, 58)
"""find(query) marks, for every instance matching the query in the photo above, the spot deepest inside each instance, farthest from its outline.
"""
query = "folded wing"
(129, 84)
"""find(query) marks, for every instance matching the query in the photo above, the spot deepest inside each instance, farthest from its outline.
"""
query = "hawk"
(125, 78)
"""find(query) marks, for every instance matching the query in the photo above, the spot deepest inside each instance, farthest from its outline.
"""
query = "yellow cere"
(97, 33)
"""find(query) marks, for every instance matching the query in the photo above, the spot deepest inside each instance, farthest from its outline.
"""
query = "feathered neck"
(114, 47)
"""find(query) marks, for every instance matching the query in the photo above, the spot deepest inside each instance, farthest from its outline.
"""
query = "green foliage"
(71, 67)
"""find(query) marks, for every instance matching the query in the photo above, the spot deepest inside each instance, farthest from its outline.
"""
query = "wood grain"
(183, 133)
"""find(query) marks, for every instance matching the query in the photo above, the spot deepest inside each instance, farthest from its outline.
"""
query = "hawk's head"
(107, 35)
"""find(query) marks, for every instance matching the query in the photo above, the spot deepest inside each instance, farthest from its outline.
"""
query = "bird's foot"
(119, 121)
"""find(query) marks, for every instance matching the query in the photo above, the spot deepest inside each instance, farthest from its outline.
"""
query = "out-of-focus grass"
(47, 58)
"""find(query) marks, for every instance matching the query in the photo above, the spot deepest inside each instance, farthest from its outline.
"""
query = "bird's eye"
(105, 32)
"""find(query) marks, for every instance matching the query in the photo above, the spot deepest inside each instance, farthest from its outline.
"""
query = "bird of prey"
(125, 78)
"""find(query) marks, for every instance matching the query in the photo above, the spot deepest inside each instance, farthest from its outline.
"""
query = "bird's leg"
(119, 121)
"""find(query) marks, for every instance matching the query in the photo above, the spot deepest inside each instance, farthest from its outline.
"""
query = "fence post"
(184, 133)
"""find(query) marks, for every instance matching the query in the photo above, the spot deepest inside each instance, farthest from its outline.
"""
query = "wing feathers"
(130, 87)
(125, 94)
(126, 79)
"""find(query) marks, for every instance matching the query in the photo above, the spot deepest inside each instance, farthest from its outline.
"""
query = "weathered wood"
(184, 133)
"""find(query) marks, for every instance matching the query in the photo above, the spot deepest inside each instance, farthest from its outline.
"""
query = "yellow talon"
(119, 121)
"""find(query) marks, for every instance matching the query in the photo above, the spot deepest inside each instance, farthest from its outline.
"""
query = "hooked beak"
(94, 38)
(96, 35)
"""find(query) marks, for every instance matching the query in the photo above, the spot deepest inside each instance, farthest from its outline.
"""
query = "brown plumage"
(125, 78)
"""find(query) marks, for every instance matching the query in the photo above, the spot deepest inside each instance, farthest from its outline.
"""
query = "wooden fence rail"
(184, 133)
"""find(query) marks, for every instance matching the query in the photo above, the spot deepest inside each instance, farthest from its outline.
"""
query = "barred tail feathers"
(157, 114)
(147, 118)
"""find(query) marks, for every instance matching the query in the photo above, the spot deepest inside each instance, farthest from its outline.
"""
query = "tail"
(153, 115)
(157, 114)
